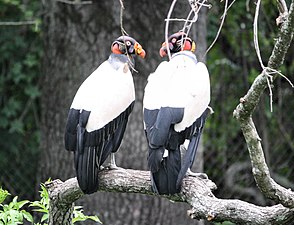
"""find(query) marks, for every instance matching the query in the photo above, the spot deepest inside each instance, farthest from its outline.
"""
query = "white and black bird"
(175, 105)
(99, 112)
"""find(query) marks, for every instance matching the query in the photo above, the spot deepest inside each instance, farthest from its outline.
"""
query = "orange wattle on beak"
(139, 50)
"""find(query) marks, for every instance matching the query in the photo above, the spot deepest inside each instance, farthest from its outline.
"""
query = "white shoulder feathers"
(179, 83)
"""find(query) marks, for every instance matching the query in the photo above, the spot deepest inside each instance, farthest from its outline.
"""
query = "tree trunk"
(77, 39)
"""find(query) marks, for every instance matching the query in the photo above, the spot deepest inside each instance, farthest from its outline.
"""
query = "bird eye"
(128, 43)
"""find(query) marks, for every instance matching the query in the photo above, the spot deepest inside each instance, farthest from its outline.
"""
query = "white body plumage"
(106, 93)
(179, 83)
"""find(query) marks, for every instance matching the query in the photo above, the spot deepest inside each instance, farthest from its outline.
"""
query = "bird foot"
(200, 175)
(112, 167)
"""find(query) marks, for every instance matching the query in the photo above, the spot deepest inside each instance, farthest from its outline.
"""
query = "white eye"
(128, 43)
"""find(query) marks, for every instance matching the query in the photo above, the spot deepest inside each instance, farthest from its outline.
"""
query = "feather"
(175, 101)
(98, 117)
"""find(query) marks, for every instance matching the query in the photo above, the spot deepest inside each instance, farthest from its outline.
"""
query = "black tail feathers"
(85, 159)
(165, 177)
(189, 158)
(87, 170)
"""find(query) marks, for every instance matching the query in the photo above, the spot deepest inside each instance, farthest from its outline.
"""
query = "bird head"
(127, 45)
(177, 42)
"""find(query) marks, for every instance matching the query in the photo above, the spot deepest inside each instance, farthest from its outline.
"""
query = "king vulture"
(99, 112)
(175, 106)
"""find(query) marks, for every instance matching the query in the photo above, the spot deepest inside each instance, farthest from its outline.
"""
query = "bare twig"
(123, 33)
(255, 33)
(18, 23)
(166, 27)
(195, 8)
(122, 7)
(75, 2)
(220, 27)
(231, 4)
(265, 70)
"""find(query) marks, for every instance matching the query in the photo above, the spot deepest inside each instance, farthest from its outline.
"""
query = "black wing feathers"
(193, 133)
(92, 148)
(159, 129)
(167, 173)
(70, 137)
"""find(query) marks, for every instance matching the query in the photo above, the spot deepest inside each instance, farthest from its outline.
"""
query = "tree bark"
(243, 113)
(195, 191)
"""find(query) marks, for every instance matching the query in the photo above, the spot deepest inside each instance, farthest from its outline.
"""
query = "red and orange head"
(127, 45)
(177, 42)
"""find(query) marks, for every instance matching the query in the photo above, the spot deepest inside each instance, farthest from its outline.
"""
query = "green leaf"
(80, 216)
(27, 216)
(3, 195)
(16, 126)
(45, 217)
(22, 203)
(32, 91)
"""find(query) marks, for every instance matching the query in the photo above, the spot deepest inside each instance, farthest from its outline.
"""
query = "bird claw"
(112, 167)
(200, 175)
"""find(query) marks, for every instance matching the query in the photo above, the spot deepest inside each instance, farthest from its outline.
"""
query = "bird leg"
(200, 175)
(112, 165)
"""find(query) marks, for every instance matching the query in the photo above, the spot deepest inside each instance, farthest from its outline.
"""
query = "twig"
(265, 70)
(180, 20)
(166, 27)
(18, 23)
(123, 32)
(255, 33)
(75, 2)
(195, 8)
(220, 27)
(256, 45)
(282, 7)
(229, 6)
(122, 7)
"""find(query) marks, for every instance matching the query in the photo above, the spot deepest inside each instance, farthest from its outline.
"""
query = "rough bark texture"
(244, 110)
(195, 191)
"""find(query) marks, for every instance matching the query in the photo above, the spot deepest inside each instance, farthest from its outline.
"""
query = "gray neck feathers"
(117, 60)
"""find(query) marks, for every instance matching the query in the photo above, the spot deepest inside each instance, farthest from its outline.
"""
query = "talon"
(200, 175)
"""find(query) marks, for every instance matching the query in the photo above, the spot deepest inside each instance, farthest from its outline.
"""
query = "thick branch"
(244, 110)
(195, 191)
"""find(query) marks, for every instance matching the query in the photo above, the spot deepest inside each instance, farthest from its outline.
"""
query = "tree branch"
(75, 2)
(18, 23)
(243, 113)
(195, 191)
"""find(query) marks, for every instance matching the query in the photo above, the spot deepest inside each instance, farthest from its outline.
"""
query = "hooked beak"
(139, 50)
(163, 49)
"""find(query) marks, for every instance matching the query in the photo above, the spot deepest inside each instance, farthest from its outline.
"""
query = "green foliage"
(80, 216)
(42, 206)
(13, 212)
(20, 51)
(3, 195)
(224, 223)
